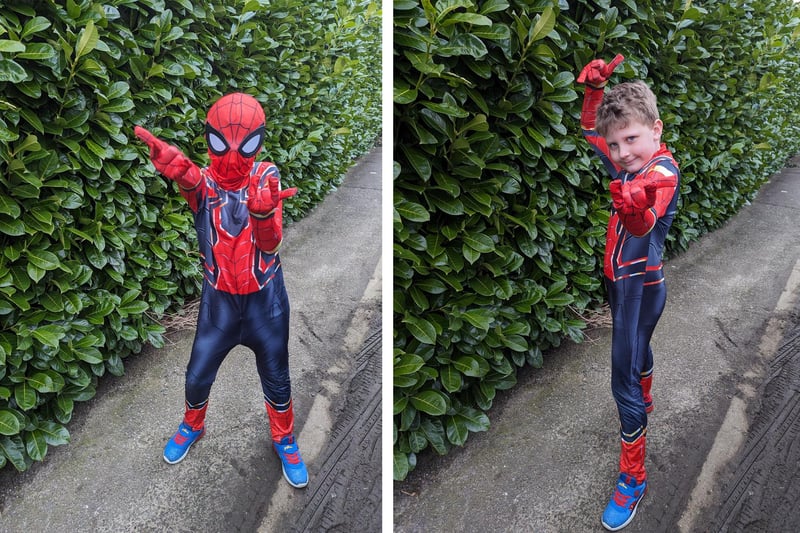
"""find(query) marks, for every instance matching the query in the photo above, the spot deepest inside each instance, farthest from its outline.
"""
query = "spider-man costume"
(237, 206)
(644, 205)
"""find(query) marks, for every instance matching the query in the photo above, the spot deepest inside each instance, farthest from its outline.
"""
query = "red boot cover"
(195, 417)
(281, 423)
(631, 459)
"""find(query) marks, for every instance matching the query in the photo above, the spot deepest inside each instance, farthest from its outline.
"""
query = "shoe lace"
(620, 498)
(182, 435)
(291, 455)
(290, 452)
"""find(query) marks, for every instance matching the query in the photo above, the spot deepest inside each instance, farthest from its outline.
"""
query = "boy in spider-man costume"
(237, 206)
(624, 129)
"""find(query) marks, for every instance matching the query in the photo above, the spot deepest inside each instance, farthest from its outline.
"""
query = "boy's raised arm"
(595, 76)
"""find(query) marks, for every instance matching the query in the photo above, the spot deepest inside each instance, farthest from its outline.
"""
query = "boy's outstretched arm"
(265, 203)
(170, 161)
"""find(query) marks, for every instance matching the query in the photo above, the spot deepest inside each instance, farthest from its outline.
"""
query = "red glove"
(633, 196)
(597, 72)
(633, 201)
(615, 187)
(595, 75)
(262, 201)
(170, 161)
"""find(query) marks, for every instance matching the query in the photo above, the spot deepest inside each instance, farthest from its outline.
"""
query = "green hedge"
(499, 207)
(94, 246)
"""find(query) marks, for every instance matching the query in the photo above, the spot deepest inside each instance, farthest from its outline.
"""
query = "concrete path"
(549, 461)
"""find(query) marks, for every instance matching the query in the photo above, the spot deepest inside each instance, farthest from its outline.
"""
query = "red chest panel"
(231, 260)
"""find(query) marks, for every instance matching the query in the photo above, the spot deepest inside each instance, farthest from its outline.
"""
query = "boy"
(238, 213)
(624, 129)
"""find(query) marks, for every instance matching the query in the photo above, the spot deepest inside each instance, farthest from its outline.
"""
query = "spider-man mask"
(234, 133)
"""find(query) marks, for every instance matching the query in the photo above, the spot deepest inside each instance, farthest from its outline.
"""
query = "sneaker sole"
(185, 453)
(630, 518)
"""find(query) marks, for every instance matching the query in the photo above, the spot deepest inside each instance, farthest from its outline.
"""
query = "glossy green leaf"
(34, 25)
(35, 445)
(11, 71)
(55, 434)
(421, 329)
(25, 396)
(430, 402)
(9, 423)
(400, 466)
(451, 378)
(471, 366)
(457, 431)
(87, 40)
(49, 335)
(14, 450)
(407, 364)
(412, 211)
(43, 259)
(10, 46)
(544, 25)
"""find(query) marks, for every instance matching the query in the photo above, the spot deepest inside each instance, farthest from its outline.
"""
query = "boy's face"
(632, 146)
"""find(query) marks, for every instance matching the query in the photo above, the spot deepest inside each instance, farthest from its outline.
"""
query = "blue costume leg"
(635, 311)
(213, 340)
(654, 298)
(625, 300)
(267, 334)
(217, 334)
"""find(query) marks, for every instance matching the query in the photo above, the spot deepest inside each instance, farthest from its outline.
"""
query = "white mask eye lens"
(250, 147)
(252, 143)
(216, 143)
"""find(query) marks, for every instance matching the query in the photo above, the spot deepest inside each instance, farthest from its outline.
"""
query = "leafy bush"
(96, 246)
(499, 207)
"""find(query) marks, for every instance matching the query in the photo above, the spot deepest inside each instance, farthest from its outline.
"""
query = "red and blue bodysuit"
(237, 207)
(634, 279)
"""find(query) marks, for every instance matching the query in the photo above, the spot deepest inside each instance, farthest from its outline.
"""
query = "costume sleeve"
(268, 231)
(194, 196)
(173, 164)
(268, 228)
(666, 181)
(592, 98)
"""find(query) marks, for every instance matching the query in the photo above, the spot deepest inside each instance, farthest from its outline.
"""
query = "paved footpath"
(761, 484)
(548, 462)
(112, 478)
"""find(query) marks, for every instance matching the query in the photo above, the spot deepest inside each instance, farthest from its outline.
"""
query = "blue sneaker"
(622, 507)
(294, 470)
(178, 446)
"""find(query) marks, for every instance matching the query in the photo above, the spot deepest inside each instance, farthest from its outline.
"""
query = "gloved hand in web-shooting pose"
(597, 72)
(262, 201)
(595, 76)
(636, 200)
(265, 203)
(632, 196)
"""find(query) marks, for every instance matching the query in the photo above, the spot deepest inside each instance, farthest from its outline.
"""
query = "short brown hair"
(626, 102)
